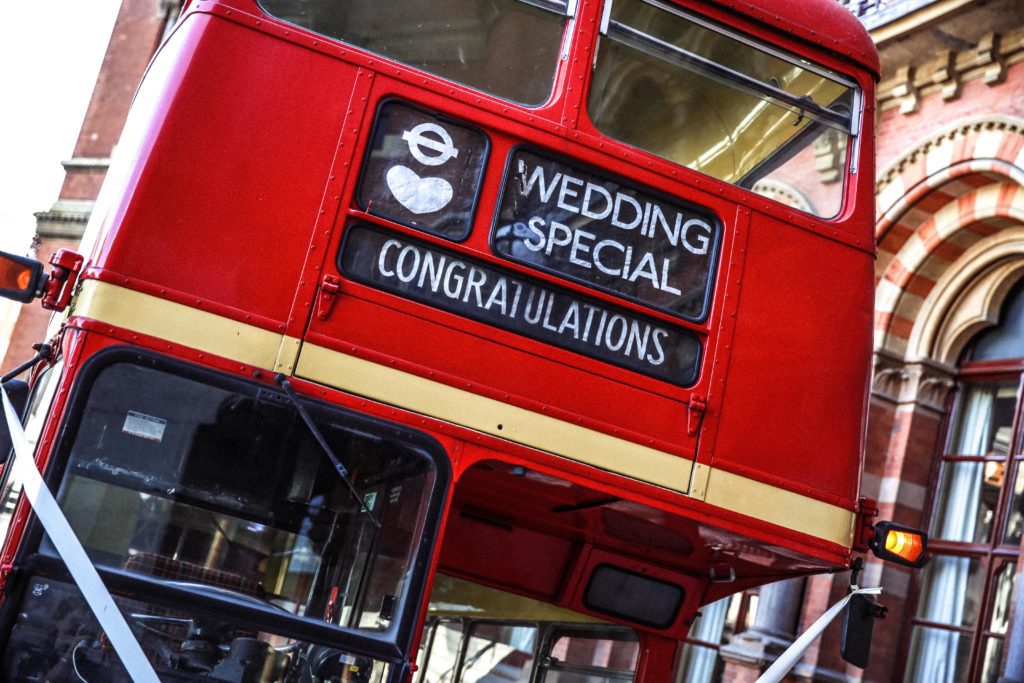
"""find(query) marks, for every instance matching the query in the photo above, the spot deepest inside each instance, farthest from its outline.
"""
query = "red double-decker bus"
(503, 335)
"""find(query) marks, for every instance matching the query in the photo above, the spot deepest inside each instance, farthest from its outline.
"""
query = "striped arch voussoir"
(958, 188)
(987, 146)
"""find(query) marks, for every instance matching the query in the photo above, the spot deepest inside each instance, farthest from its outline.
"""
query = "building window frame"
(987, 561)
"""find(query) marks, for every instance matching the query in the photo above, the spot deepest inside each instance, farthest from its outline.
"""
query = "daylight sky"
(50, 53)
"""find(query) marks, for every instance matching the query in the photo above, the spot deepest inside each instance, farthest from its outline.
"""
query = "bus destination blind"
(475, 289)
(603, 233)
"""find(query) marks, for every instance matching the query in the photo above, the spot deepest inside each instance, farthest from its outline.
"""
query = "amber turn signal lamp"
(900, 544)
(21, 278)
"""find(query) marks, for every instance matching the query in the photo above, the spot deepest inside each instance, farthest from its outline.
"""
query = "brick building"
(944, 446)
(138, 30)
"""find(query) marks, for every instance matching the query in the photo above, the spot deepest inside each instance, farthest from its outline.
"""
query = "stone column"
(773, 630)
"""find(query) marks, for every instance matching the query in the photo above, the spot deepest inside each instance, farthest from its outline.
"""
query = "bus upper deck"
(579, 293)
(575, 267)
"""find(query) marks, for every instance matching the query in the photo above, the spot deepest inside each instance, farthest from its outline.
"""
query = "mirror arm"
(43, 352)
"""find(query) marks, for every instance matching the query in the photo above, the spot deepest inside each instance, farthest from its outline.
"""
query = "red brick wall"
(135, 36)
(899, 133)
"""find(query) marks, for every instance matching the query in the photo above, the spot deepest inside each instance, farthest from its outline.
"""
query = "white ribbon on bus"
(71, 551)
(788, 659)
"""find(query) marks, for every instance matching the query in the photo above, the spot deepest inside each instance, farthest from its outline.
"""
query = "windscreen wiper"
(342, 472)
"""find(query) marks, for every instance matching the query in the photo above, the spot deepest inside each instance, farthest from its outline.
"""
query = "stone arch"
(939, 205)
(968, 299)
(942, 246)
(974, 141)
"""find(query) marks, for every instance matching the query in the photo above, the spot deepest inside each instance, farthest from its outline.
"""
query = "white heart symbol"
(419, 195)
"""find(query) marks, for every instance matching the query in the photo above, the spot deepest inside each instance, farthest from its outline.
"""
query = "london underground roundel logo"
(423, 170)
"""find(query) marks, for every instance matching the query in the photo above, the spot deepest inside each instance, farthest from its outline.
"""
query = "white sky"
(50, 53)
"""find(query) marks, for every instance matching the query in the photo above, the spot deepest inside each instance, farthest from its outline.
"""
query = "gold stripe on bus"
(482, 414)
(178, 323)
(779, 506)
(214, 334)
(721, 489)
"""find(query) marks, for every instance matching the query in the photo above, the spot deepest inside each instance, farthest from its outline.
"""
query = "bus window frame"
(567, 9)
(547, 635)
(717, 23)
(392, 645)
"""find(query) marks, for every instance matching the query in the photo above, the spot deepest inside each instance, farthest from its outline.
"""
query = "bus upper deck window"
(478, 43)
(721, 104)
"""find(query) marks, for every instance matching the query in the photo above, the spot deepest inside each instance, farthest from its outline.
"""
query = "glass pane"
(601, 656)
(475, 42)
(58, 639)
(220, 488)
(937, 656)
(499, 653)
(699, 664)
(991, 659)
(1015, 514)
(422, 170)
(1007, 339)
(38, 409)
(1003, 590)
(968, 495)
(215, 497)
(444, 652)
(951, 591)
(710, 625)
(719, 105)
(984, 419)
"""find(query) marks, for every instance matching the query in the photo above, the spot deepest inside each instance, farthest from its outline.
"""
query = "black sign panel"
(423, 171)
(475, 289)
(606, 234)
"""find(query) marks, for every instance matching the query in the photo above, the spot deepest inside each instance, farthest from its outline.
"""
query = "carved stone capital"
(924, 383)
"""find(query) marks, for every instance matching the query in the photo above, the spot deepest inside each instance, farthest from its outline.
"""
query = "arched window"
(959, 628)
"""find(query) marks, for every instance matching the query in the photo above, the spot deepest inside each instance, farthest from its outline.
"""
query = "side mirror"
(900, 544)
(21, 278)
(858, 629)
(17, 390)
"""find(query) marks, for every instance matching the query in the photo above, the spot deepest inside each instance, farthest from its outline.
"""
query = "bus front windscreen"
(223, 528)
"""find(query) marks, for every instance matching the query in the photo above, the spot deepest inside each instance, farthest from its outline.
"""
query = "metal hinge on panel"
(329, 288)
(695, 414)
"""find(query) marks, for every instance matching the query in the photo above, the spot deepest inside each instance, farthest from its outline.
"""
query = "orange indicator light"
(905, 544)
(900, 544)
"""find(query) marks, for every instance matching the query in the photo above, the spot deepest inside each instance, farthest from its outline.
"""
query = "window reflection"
(1003, 592)
(691, 94)
(951, 591)
(1015, 514)
(937, 655)
(991, 659)
(479, 43)
(970, 501)
(984, 419)
(477, 634)
(217, 517)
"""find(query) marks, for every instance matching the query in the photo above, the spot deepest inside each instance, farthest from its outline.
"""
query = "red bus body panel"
(244, 151)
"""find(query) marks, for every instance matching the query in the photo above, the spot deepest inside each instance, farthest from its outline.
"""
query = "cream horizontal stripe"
(214, 334)
(722, 489)
(779, 506)
(156, 317)
(490, 416)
